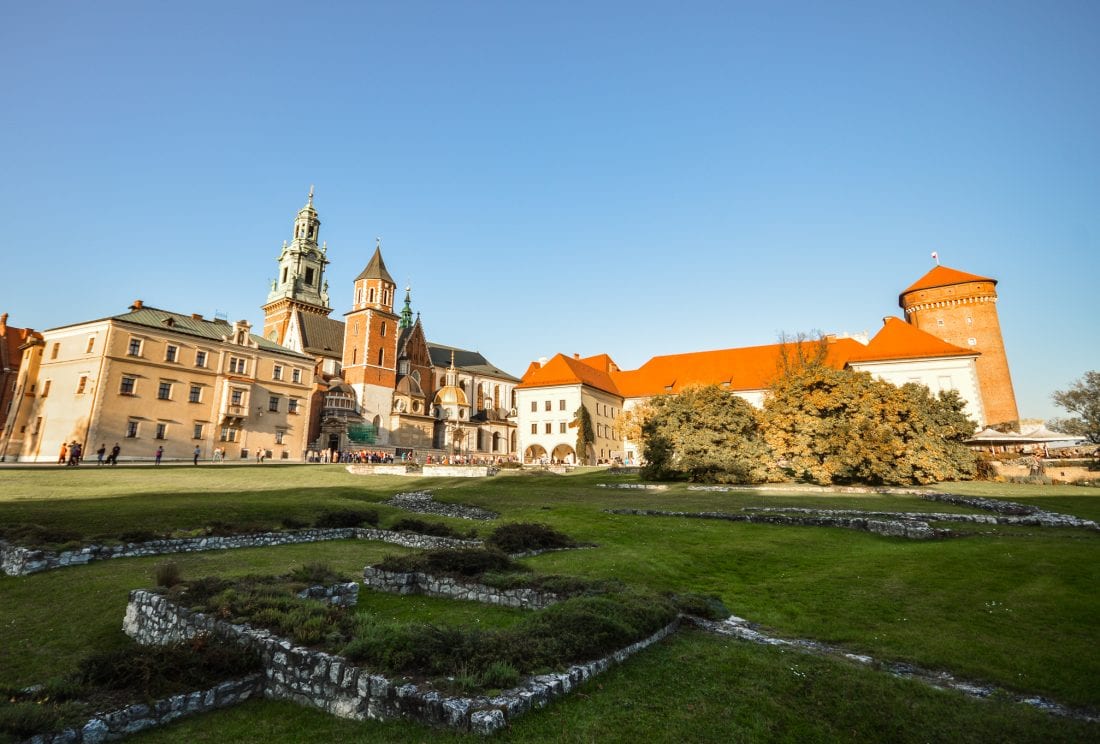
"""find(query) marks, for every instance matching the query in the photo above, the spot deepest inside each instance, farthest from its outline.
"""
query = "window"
(55, 349)
(972, 341)
(383, 329)
(279, 435)
(309, 277)
(534, 406)
(200, 358)
(236, 397)
(229, 434)
(273, 404)
(162, 429)
(164, 391)
(195, 396)
(131, 429)
(547, 405)
(939, 322)
(197, 433)
(91, 345)
(135, 347)
(236, 365)
(534, 428)
(127, 386)
(292, 405)
(83, 383)
(370, 298)
(561, 405)
(171, 352)
(296, 375)
(549, 428)
(969, 320)
(381, 356)
(562, 427)
(277, 373)
(37, 425)
(46, 388)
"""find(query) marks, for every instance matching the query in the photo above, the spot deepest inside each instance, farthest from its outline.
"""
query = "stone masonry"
(395, 582)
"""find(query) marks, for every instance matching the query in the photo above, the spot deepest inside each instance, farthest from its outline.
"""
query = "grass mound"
(520, 537)
(435, 529)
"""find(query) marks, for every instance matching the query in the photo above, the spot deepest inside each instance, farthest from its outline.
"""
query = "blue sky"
(631, 178)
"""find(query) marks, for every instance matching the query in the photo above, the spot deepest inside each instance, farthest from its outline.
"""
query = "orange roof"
(748, 368)
(900, 340)
(945, 276)
(563, 370)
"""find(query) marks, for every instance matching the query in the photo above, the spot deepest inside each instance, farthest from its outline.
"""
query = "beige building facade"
(152, 378)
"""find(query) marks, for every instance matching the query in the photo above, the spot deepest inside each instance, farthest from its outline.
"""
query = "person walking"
(64, 456)
(217, 454)
(75, 450)
(160, 452)
(113, 459)
(195, 455)
(101, 453)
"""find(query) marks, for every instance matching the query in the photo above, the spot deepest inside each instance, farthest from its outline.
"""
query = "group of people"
(72, 453)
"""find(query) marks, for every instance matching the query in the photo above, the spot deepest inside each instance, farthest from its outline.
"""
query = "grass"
(1018, 611)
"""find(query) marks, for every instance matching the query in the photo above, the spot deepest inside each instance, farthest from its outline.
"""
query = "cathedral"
(379, 382)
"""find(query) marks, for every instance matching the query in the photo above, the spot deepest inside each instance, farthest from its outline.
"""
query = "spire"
(406, 312)
(376, 267)
(302, 263)
(310, 203)
(452, 375)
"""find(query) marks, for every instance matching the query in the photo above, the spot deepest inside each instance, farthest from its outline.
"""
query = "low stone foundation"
(425, 471)
(634, 486)
(19, 561)
(329, 683)
(422, 502)
(131, 719)
(1037, 519)
(342, 595)
(395, 582)
(913, 530)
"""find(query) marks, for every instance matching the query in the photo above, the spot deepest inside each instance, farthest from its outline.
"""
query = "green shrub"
(291, 523)
(520, 537)
(153, 671)
(346, 518)
(707, 606)
(37, 536)
(315, 573)
(138, 536)
(22, 720)
(424, 527)
(168, 574)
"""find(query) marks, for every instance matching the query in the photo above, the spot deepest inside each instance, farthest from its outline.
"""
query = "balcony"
(233, 414)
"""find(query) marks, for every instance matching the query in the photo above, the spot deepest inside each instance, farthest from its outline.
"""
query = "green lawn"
(1017, 609)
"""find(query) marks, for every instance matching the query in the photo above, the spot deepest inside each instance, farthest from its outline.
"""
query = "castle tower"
(961, 309)
(370, 343)
(300, 283)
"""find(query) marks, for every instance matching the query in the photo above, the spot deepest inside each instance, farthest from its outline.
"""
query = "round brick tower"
(961, 309)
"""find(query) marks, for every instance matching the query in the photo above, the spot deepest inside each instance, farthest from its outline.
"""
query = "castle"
(309, 383)
(952, 341)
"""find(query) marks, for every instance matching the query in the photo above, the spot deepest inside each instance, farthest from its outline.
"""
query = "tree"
(838, 426)
(1082, 398)
(585, 434)
(704, 434)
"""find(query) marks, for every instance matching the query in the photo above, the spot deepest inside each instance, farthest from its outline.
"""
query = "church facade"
(379, 382)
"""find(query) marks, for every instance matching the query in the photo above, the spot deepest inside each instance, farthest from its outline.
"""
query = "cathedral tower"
(370, 342)
(300, 284)
(961, 309)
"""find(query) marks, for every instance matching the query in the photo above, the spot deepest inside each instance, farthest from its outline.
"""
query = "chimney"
(886, 320)
(3, 324)
(196, 316)
(138, 304)
(830, 338)
(576, 355)
(543, 361)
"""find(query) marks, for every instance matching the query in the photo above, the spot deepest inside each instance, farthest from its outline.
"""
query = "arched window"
(480, 399)
(496, 441)
(496, 396)
(371, 295)
(383, 329)
(512, 447)
(381, 356)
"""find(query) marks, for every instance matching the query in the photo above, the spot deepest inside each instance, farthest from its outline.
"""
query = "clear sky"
(633, 178)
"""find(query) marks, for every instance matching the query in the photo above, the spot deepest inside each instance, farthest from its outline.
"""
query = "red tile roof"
(563, 370)
(900, 340)
(945, 276)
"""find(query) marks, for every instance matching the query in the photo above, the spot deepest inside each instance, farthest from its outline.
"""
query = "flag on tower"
(936, 257)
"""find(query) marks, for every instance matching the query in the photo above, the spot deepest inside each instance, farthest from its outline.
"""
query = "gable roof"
(321, 336)
(211, 330)
(900, 340)
(945, 276)
(563, 370)
(466, 360)
(376, 268)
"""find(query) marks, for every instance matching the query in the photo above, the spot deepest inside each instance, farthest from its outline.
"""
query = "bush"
(985, 468)
(499, 675)
(464, 563)
(153, 671)
(520, 537)
(168, 574)
(707, 606)
(315, 573)
(137, 536)
(346, 518)
(423, 527)
(290, 523)
(37, 536)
